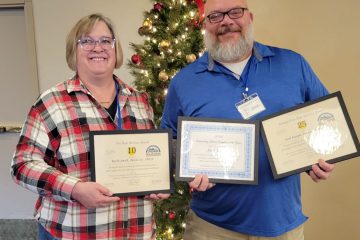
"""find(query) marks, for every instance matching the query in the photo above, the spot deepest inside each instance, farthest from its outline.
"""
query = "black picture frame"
(151, 151)
(271, 140)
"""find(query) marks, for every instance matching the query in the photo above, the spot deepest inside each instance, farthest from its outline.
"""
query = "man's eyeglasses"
(234, 13)
(88, 43)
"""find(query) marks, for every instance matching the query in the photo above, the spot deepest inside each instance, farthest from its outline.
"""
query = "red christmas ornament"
(200, 5)
(195, 23)
(136, 59)
(158, 7)
(172, 215)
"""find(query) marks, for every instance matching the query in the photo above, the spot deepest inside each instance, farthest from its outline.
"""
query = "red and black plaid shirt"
(53, 155)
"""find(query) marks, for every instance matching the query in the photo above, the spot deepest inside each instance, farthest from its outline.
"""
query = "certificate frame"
(196, 131)
(137, 162)
(319, 122)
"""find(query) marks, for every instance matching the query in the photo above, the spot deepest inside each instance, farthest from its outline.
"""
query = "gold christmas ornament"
(164, 44)
(190, 58)
(163, 76)
(147, 23)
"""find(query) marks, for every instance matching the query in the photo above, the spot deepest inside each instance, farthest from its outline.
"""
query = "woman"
(52, 156)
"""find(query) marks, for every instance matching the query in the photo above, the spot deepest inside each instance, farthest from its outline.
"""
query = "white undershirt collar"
(236, 68)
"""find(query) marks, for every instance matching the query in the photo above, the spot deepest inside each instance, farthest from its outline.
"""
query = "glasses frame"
(96, 42)
(227, 13)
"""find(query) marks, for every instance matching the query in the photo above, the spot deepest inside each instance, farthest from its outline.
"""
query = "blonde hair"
(84, 27)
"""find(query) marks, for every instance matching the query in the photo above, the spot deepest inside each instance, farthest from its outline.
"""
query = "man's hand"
(157, 196)
(201, 183)
(321, 171)
(92, 195)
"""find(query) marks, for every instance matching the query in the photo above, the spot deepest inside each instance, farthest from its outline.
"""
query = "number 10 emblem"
(132, 151)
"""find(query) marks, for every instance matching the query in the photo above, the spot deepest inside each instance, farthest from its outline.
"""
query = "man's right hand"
(92, 195)
(201, 183)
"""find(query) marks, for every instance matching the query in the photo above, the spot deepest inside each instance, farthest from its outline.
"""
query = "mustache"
(226, 29)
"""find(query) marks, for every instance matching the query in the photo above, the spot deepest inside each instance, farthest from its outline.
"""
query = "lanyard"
(118, 106)
(245, 76)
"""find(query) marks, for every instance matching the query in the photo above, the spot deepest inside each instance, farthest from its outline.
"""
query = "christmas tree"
(173, 39)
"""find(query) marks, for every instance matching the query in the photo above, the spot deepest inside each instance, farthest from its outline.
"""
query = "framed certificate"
(296, 138)
(132, 162)
(225, 150)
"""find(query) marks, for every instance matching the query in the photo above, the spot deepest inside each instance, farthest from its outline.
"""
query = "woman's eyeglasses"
(88, 43)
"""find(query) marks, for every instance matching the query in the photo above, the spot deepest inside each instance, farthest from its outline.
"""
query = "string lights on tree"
(172, 39)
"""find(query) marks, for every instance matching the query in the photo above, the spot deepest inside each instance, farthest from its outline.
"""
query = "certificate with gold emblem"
(223, 149)
(132, 162)
(297, 138)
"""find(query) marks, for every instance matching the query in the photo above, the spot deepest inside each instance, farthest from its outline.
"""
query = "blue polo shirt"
(205, 88)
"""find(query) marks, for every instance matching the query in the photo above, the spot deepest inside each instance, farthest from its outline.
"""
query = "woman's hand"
(92, 195)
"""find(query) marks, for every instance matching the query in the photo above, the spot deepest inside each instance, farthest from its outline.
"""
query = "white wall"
(14, 67)
(54, 19)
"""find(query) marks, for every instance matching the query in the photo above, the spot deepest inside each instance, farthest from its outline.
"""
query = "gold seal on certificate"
(132, 162)
(321, 129)
(225, 150)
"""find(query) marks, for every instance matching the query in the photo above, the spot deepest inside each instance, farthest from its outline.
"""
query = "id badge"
(250, 106)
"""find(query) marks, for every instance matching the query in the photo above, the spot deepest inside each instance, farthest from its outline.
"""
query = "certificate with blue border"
(225, 150)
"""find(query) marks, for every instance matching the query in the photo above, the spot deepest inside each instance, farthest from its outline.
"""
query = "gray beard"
(229, 52)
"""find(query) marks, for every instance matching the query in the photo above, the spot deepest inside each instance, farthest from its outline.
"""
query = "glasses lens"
(106, 43)
(216, 17)
(87, 43)
(236, 13)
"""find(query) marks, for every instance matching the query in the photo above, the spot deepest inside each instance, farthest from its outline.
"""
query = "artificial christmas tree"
(173, 39)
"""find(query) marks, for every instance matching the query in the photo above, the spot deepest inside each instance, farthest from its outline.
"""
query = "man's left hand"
(157, 196)
(321, 171)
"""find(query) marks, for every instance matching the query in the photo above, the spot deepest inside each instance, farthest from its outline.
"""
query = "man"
(234, 68)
